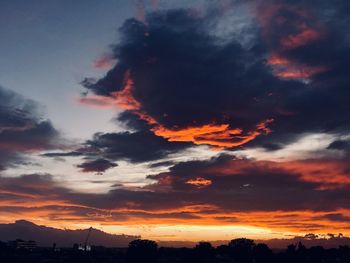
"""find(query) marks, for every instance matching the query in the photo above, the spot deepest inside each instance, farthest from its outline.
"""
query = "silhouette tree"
(262, 253)
(316, 254)
(301, 247)
(291, 249)
(142, 250)
(204, 252)
(290, 254)
(204, 247)
(301, 250)
(241, 249)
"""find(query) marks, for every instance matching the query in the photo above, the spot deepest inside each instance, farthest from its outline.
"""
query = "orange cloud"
(287, 69)
(124, 98)
(199, 182)
(216, 135)
(304, 72)
(275, 59)
(330, 174)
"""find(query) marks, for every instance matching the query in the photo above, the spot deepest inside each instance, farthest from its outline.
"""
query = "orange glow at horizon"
(228, 225)
(52, 210)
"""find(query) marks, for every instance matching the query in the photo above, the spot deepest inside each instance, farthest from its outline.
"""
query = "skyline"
(176, 120)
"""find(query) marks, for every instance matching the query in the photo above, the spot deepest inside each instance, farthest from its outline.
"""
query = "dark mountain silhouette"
(46, 236)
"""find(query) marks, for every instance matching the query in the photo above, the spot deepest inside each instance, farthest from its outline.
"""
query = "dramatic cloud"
(164, 79)
(189, 86)
(22, 128)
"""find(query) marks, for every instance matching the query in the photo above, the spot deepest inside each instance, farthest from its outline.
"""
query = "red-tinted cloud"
(287, 69)
(286, 28)
(104, 62)
(103, 102)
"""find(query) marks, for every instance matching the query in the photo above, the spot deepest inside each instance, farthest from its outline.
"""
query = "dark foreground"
(238, 250)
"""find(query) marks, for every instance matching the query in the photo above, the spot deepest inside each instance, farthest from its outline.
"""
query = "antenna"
(87, 239)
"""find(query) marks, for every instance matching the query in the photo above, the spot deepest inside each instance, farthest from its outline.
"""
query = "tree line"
(239, 250)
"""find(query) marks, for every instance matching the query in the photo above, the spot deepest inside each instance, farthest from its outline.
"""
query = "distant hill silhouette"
(46, 236)
(309, 240)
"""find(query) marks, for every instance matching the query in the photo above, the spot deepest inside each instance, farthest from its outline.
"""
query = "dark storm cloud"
(139, 146)
(133, 146)
(183, 76)
(339, 145)
(22, 128)
(63, 154)
(160, 164)
(98, 165)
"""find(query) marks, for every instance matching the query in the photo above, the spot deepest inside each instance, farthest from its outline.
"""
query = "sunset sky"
(176, 119)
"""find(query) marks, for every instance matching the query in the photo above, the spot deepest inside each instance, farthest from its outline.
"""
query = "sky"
(176, 120)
